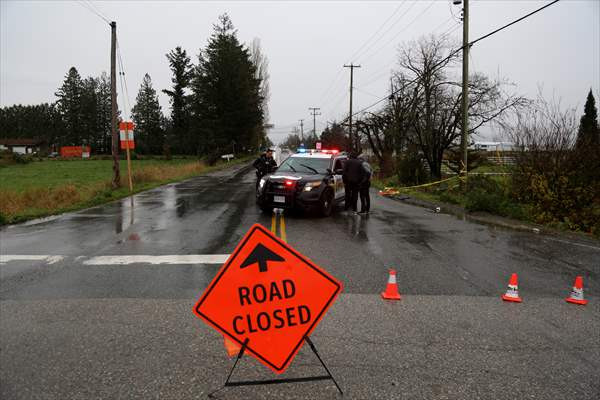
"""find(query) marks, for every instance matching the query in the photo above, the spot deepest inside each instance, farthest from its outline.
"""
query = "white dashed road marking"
(175, 259)
(4, 258)
(170, 259)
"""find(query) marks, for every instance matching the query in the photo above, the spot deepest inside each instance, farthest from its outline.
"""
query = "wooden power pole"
(116, 181)
(464, 143)
(353, 141)
(314, 114)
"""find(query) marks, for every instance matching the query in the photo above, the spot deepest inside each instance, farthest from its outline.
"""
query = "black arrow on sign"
(261, 255)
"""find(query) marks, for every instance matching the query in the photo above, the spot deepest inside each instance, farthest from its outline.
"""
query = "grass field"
(48, 187)
(80, 173)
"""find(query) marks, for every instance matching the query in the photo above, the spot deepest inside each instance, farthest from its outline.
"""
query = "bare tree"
(387, 131)
(377, 128)
(261, 62)
(436, 103)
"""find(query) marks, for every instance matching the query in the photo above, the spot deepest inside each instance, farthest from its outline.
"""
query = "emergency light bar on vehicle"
(324, 151)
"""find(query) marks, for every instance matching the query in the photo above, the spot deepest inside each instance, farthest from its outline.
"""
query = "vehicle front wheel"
(326, 204)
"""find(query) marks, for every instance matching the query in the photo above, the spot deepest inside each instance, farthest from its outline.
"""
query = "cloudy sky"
(307, 43)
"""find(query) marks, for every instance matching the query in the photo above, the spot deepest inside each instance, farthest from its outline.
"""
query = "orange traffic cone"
(232, 348)
(512, 293)
(576, 296)
(391, 290)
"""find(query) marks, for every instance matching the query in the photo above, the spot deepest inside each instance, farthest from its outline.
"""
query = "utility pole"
(464, 144)
(314, 114)
(116, 182)
(353, 141)
(301, 130)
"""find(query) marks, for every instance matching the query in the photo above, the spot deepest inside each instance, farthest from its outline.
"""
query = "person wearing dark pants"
(264, 164)
(352, 176)
(365, 184)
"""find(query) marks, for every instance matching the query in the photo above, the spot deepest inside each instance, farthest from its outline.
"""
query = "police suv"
(310, 180)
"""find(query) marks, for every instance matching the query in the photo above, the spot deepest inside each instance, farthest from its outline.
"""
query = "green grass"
(80, 173)
(49, 187)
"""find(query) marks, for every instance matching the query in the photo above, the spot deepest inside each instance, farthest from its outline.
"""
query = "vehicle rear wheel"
(326, 204)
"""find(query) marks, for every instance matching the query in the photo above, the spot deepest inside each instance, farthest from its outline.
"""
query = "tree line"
(217, 105)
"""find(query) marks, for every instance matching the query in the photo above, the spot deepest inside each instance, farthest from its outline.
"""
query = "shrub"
(22, 158)
(411, 170)
(493, 196)
(560, 181)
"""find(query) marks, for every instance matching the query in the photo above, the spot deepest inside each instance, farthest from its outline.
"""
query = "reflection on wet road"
(433, 253)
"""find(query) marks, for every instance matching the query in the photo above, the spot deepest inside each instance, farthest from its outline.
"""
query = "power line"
(327, 94)
(383, 72)
(451, 30)
(390, 28)
(402, 30)
(375, 77)
(458, 50)
(336, 80)
(91, 3)
(90, 8)
(337, 103)
(442, 24)
(512, 23)
(357, 52)
(366, 92)
(123, 78)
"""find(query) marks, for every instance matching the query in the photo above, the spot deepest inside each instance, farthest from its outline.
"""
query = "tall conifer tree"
(589, 132)
(69, 107)
(226, 93)
(147, 117)
(180, 65)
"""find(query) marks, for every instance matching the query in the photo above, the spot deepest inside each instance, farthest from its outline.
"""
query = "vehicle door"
(338, 183)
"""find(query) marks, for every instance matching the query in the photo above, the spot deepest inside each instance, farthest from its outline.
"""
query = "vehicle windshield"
(305, 165)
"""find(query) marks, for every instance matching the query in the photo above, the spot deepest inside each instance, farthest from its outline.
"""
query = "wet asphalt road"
(73, 330)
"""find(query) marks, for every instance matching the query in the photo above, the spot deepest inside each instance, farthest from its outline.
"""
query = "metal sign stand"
(229, 383)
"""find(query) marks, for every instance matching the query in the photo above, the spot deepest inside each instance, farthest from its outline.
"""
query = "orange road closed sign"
(269, 294)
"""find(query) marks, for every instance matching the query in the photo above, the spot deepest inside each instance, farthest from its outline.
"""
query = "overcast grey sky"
(307, 42)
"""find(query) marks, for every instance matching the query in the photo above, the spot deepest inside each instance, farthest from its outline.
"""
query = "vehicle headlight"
(262, 182)
(311, 185)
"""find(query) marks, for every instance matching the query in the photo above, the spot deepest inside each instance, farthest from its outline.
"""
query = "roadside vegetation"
(555, 179)
(42, 188)
(413, 139)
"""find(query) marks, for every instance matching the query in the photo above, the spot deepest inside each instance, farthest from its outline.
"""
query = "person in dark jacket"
(363, 189)
(352, 176)
(265, 164)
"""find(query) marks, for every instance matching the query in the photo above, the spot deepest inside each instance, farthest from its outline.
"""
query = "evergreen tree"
(69, 107)
(589, 132)
(226, 93)
(335, 138)
(181, 67)
(88, 126)
(148, 118)
(104, 115)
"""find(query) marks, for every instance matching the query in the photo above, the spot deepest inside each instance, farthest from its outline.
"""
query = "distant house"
(493, 146)
(22, 146)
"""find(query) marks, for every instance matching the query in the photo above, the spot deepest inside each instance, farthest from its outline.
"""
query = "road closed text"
(276, 318)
